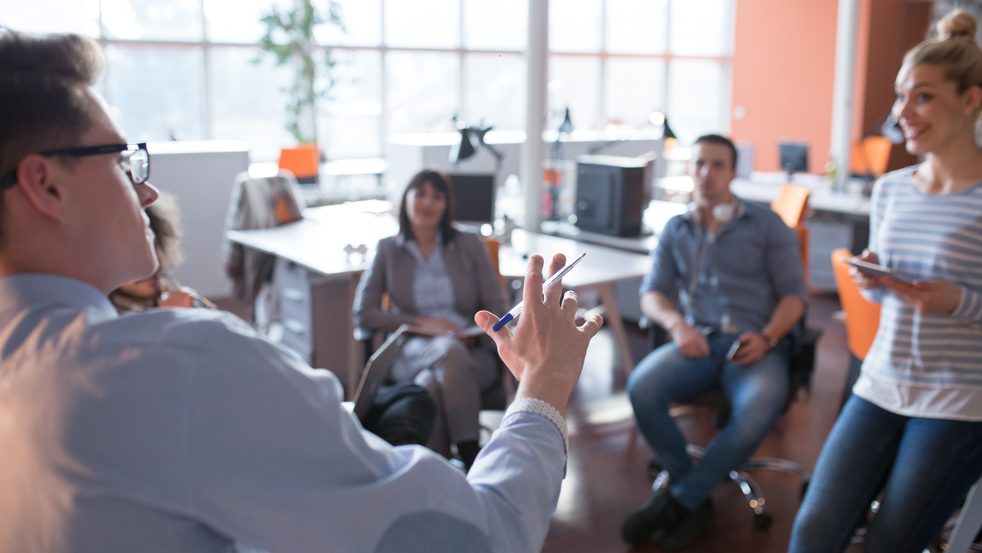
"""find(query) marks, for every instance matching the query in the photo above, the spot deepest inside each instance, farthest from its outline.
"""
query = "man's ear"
(37, 179)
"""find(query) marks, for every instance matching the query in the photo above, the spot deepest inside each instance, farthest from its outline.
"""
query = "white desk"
(316, 244)
(600, 270)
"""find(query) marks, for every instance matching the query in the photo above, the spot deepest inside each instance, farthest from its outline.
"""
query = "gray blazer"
(474, 280)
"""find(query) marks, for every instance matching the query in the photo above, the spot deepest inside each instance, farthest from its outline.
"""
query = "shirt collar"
(32, 290)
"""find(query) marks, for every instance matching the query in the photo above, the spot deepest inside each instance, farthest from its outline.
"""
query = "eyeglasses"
(136, 160)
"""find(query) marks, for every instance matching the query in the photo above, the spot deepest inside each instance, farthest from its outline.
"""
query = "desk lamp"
(470, 141)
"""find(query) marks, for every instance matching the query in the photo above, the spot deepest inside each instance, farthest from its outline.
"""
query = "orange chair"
(302, 161)
(870, 156)
(791, 204)
(862, 315)
(862, 318)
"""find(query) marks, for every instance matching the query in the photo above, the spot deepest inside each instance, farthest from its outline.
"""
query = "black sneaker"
(657, 514)
(688, 526)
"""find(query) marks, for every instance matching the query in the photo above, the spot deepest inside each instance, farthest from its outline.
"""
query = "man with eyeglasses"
(180, 430)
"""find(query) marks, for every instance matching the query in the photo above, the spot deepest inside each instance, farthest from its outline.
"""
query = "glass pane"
(494, 90)
(238, 20)
(702, 27)
(697, 92)
(497, 25)
(152, 19)
(575, 82)
(350, 123)
(422, 91)
(166, 100)
(422, 23)
(362, 20)
(248, 102)
(637, 26)
(574, 25)
(633, 88)
(52, 16)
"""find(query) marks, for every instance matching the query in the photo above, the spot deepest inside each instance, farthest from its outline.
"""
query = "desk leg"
(616, 324)
(355, 355)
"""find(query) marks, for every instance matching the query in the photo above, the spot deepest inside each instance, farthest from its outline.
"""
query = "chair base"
(752, 495)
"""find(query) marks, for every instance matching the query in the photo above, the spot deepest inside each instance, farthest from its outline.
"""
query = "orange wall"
(783, 72)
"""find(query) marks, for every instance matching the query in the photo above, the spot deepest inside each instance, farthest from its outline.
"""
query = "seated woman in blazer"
(436, 278)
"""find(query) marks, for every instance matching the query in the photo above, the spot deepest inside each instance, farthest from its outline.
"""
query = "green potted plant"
(288, 37)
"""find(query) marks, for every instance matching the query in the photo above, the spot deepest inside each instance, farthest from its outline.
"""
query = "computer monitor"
(473, 197)
(611, 194)
(794, 156)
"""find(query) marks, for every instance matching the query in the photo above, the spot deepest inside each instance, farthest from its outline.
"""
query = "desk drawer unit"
(315, 312)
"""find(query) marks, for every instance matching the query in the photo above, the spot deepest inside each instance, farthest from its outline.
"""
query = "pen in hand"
(552, 281)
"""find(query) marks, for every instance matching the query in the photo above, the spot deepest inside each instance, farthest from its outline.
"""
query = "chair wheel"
(763, 521)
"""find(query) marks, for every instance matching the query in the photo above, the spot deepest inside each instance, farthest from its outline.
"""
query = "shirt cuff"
(543, 408)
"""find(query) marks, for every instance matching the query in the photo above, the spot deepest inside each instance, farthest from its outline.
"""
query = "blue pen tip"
(502, 322)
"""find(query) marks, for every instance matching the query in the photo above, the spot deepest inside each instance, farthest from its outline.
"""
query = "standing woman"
(437, 278)
(913, 428)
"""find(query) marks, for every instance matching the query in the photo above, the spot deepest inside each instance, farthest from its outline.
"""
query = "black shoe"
(657, 514)
(688, 527)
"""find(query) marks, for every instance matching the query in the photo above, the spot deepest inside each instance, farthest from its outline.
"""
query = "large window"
(188, 69)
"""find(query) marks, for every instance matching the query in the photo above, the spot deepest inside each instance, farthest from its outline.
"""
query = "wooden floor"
(607, 474)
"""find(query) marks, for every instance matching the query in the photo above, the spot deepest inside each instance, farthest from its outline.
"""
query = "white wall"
(200, 174)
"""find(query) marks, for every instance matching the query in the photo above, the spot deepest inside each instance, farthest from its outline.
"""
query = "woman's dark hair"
(165, 224)
(442, 184)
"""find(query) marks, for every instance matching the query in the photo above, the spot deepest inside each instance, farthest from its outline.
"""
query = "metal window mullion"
(666, 70)
(462, 62)
(206, 73)
(601, 108)
(383, 80)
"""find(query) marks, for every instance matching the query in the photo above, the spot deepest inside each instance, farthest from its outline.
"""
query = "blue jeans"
(757, 394)
(924, 468)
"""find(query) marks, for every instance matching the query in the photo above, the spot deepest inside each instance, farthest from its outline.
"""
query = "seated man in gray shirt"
(736, 271)
(179, 429)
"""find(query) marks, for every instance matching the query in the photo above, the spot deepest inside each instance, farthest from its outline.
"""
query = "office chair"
(499, 393)
(870, 156)
(862, 318)
(791, 204)
(801, 365)
(303, 161)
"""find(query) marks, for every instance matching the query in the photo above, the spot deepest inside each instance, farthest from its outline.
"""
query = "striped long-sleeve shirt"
(927, 364)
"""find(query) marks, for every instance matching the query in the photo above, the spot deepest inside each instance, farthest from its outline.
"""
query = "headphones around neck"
(722, 213)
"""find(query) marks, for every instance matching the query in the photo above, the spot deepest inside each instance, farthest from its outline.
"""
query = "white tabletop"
(822, 197)
(318, 243)
(601, 264)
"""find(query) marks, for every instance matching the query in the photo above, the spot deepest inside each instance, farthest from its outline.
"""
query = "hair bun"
(957, 24)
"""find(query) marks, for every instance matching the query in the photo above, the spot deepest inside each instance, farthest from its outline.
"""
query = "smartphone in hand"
(874, 270)
(731, 353)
